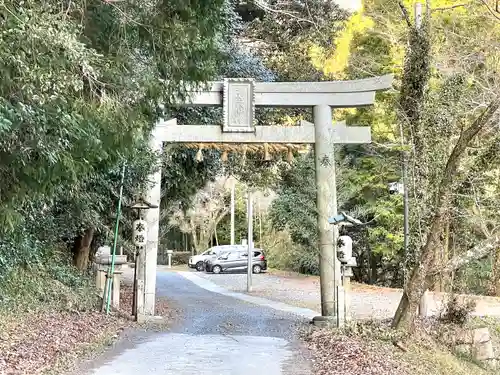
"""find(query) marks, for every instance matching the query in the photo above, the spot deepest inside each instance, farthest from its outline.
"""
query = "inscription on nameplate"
(238, 103)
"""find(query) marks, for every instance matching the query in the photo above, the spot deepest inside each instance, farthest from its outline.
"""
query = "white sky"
(349, 4)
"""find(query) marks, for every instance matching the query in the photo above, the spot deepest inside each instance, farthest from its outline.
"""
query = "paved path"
(367, 302)
(215, 334)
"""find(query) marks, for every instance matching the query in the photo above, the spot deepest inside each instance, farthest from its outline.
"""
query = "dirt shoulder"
(378, 350)
(37, 343)
(53, 342)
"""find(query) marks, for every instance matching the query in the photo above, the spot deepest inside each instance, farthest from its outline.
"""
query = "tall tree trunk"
(416, 73)
(495, 273)
(373, 268)
(215, 233)
(440, 259)
(196, 244)
(406, 313)
(446, 276)
(81, 250)
(419, 279)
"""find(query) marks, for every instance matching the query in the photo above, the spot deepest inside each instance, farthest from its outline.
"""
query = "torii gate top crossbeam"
(337, 94)
(239, 96)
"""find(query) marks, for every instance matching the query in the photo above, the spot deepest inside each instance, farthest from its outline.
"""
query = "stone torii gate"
(239, 96)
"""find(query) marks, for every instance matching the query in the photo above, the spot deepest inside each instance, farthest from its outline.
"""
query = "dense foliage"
(80, 84)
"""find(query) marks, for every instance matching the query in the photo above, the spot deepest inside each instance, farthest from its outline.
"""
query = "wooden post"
(140, 316)
(116, 289)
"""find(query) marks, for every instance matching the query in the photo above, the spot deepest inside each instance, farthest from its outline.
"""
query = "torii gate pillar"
(326, 203)
(239, 98)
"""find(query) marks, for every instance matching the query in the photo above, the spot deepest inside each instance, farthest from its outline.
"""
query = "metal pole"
(406, 223)
(250, 241)
(260, 223)
(111, 270)
(418, 14)
(326, 203)
(232, 212)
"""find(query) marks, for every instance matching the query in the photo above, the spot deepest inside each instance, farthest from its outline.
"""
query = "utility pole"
(250, 240)
(260, 223)
(232, 211)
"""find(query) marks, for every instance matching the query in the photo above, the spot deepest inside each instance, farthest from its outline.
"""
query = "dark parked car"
(237, 260)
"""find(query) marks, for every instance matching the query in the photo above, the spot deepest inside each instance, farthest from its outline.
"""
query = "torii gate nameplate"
(238, 105)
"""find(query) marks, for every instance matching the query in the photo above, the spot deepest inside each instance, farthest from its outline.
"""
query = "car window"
(233, 256)
(255, 254)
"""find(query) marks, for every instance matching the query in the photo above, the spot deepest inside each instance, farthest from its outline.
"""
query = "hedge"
(178, 257)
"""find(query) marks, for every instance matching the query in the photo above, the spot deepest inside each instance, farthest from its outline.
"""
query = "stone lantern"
(103, 260)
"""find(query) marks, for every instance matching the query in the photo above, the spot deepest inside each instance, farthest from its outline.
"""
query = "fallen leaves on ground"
(338, 354)
(162, 307)
(33, 343)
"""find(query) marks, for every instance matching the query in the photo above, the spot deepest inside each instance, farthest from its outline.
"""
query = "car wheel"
(257, 268)
(217, 269)
(199, 266)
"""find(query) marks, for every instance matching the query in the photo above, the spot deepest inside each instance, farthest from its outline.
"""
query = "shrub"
(178, 257)
(457, 312)
(284, 254)
(36, 289)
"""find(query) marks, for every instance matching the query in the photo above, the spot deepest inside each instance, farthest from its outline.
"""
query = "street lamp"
(139, 239)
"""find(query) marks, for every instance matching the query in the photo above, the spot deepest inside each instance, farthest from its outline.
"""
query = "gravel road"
(304, 292)
(367, 302)
(213, 334)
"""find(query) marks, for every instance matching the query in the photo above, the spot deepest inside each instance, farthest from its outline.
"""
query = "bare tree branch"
(406, 15)
(479, 251)
(263, 6)
(492, 12)
(450, 7)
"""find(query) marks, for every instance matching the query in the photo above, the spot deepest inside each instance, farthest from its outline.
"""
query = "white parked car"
(197, 261)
